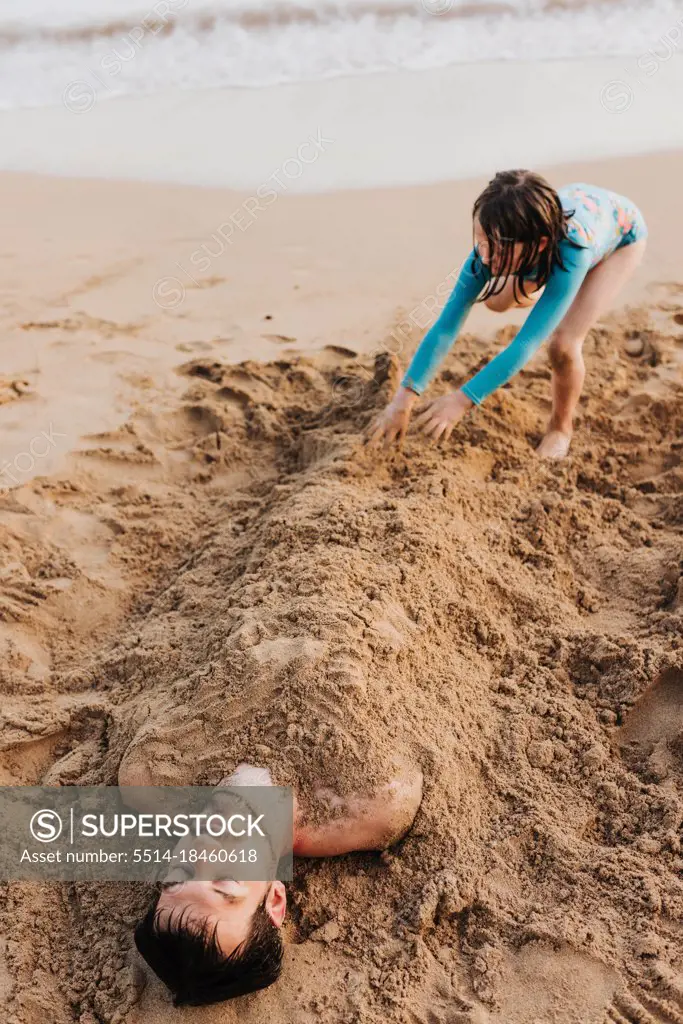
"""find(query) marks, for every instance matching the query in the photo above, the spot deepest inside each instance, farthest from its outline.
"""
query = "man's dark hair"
(187, 957)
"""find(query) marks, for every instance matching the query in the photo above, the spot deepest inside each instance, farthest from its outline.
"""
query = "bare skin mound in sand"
(286, 597)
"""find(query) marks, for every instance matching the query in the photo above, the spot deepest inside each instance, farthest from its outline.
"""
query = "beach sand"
(184, 483)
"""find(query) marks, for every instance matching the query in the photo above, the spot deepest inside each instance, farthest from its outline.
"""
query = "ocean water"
(66, 51)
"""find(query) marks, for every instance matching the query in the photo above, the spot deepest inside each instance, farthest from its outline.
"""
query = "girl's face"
(494, 260)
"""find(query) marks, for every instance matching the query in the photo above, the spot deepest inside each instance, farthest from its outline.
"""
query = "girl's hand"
(441, 415)
(392, 423)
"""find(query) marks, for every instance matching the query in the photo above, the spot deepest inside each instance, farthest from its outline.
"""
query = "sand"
(212, 567)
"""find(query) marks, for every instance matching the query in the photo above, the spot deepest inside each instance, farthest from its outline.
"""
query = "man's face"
(201, 887)
(224, 904)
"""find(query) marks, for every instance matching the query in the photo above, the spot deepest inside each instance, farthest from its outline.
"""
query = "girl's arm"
(546, 315)
(440, 337)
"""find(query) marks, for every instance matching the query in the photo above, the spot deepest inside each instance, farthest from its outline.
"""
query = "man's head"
(210, 940)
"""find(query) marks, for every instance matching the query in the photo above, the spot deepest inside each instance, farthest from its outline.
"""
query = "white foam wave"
(115, 47)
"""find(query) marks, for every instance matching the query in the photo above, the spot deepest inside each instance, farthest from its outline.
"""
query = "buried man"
(211, 939)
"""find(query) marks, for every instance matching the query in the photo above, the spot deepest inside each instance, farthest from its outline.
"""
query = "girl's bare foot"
(554, 445)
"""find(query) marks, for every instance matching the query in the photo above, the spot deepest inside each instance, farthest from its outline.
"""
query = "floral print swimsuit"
(603, 221)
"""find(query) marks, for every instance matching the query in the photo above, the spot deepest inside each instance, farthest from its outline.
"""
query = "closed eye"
(230, 888)
(178, 876)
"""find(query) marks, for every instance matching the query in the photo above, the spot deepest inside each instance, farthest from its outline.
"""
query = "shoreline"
(613, 108)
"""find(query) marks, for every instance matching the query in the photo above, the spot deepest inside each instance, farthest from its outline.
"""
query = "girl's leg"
(595, 296)
(505, 298)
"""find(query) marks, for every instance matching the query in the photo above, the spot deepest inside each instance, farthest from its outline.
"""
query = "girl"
(575, 249)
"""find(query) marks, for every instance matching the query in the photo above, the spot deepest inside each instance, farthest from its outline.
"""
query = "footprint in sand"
(208, 282)
(13, 389)
(341, 350)
(194, 346)
(541, 983)
(279, 339)
(659, 1001)
(17, 599)
(651, 738)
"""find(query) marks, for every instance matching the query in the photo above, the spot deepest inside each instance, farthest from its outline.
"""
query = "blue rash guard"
(602, 222)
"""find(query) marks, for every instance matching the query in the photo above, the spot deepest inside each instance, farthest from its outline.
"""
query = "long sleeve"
(440, 337)
(546, 315)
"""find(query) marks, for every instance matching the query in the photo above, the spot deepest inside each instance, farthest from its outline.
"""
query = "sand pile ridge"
(513, 627)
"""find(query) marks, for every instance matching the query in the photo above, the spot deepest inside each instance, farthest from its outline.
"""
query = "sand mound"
(289, 598)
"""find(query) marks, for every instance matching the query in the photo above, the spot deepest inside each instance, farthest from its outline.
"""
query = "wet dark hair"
(188, 959)
(521, 207)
